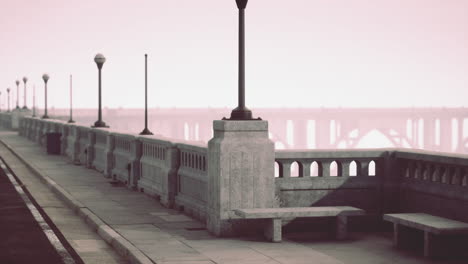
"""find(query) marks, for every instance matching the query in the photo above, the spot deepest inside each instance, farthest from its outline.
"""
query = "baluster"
(346, 166)
(304, 168)
(285, 168)
(326, 168)
(364, 171)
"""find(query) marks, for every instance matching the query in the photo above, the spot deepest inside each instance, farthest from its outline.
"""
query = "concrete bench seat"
(430, 224)
(275, 215)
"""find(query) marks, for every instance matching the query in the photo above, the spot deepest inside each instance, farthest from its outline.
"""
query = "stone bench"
(430, 224)
(272, 230)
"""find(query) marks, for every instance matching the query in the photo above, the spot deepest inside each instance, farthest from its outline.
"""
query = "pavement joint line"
(124, 247)
(49, 233)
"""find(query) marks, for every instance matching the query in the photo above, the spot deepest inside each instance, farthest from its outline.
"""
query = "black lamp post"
(71, 104)
(34, 101)
(25, 79)
(8, 92)
(45, 77)
(99, 59)
(146, 130)
(241, 112)
(17, 94)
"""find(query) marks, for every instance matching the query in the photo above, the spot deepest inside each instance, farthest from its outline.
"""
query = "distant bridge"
(439, 129)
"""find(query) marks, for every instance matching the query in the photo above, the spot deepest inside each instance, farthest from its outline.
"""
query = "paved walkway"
(145, 232)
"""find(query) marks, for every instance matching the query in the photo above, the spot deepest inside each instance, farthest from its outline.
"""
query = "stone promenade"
(143, 231)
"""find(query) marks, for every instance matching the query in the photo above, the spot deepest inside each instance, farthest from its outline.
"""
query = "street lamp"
(25, 79)
(71, 104)
(17, 93)
(8, 91)
(99, 59)
(146, 130)
(241, 112)
(45, 77)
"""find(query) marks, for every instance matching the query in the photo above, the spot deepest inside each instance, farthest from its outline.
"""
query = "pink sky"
(299, 52)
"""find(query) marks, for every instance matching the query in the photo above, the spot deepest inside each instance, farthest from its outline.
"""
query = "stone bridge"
(437, 129)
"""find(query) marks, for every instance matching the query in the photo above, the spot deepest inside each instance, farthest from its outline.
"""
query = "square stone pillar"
(16, 116)
(240, 172)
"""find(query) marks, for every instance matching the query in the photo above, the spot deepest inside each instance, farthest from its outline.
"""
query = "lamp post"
(8, 92)
(241, 112)
(146, 130)
(17, 93)
(45, 77)
(34, 101)
(25, 79)
(99, 59)
(71, 104)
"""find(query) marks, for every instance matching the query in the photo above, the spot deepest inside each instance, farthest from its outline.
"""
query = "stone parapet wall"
(192, 177)
(177, 173)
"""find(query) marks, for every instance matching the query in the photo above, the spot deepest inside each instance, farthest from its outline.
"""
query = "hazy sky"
(307, 53)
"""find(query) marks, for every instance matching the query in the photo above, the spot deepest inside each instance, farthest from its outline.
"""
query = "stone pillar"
(16, 115)
(110, 146)
(240, 172)
(90, 148)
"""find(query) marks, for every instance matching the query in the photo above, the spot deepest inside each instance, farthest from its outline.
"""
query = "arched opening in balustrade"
(371, 168)
(315, 169)
(204, 163)
(295, 169)
(335, 169)
(353, 168)
(278, 170)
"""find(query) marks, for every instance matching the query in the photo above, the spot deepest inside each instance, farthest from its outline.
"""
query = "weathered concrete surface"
(240, 158)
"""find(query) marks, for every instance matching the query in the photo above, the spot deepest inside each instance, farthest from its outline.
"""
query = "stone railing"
(435, 183)
(376, 180)
(158, 167)
(83, 144)
(72, 150)
(192, 178)
(97, 153)
(125, 151)
(5, 120)
(317, 174)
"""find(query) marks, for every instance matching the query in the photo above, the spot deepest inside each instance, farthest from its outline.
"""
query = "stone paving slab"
(140, 228)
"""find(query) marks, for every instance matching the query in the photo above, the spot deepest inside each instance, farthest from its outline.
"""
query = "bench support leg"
(273, 230)
(428, 241)
(396, 235)
(341, 227)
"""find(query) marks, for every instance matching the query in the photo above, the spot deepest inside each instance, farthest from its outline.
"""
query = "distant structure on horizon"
(437, 129)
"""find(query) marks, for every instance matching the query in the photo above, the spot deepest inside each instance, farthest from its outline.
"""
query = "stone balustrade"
(158, 166)
(318, 174)
(179, 173)
(124, 150)
(434, 183)
(192, 179)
